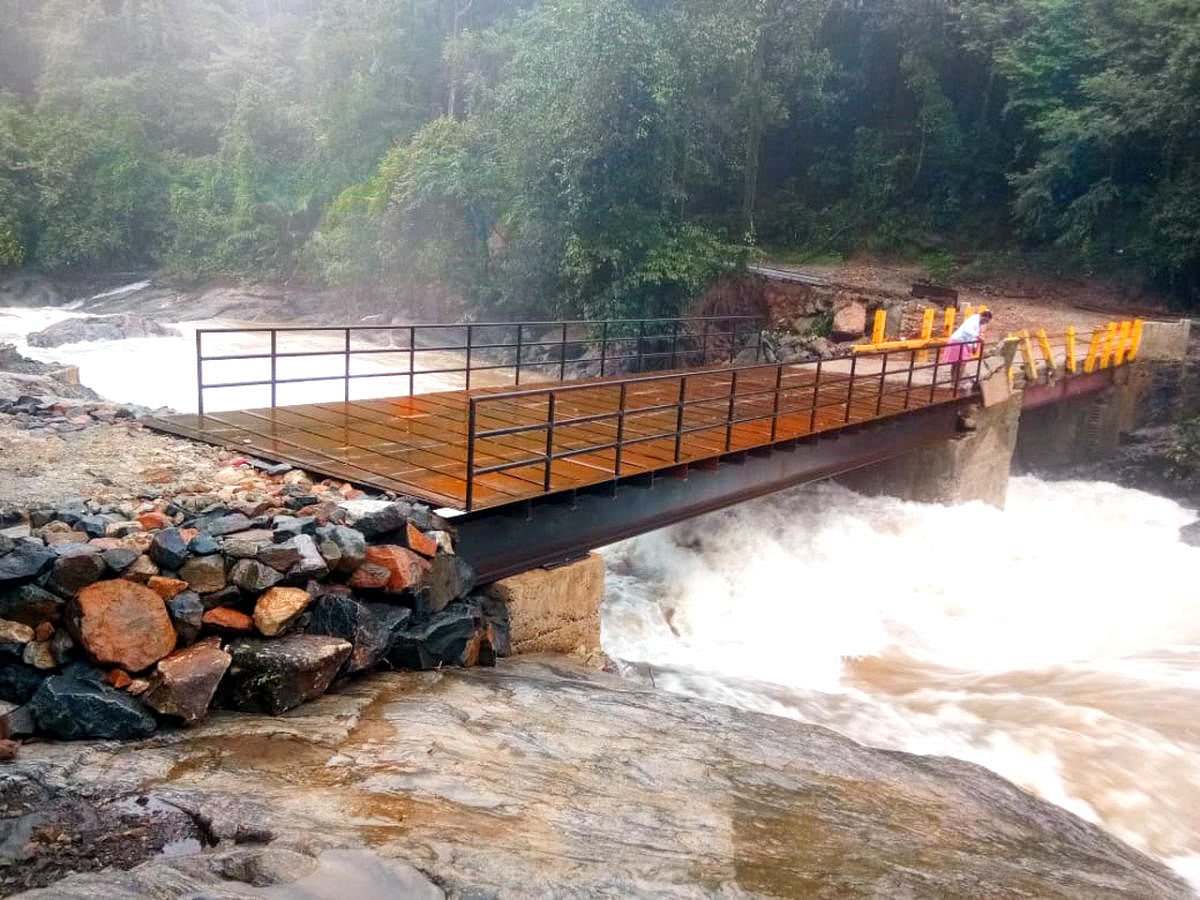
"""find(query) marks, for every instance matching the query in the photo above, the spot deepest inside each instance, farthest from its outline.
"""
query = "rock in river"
(540, 778)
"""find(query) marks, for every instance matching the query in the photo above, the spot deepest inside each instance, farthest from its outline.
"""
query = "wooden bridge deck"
(418, 446)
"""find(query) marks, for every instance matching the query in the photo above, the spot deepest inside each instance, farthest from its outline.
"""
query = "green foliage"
(1183, 456)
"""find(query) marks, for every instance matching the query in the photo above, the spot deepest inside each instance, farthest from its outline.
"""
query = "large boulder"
(72, 707)
(96, 328)
(25, 562)
(374, 518)
(273, 676)
(184, 683)
(449, 578)
(121, 623)
(456, 636)
(339, 614)
(849, 321)
(278, 608)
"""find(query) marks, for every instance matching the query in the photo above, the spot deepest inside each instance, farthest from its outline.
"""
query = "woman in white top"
(966, 342)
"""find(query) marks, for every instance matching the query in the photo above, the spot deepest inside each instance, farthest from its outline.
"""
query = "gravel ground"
(109, 462)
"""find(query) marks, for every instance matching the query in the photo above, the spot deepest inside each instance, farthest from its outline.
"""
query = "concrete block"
(555, 610)
(1165, 340)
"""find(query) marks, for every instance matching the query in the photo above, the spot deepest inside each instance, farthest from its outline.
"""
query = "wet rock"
(311, 564)
(341, 615)
(97, 328)
(280, 557)
(287, 527)
(369, 576)
(449, 578)
(278, 608)
(95, 526)
(62, 646)
(18, 682)
(30, 605)
(17, 721)
(166, 587)
(224, 524)
(453, 637)
(251, 575)
(419, 542)
(121, 623)
(142, 569)
(405, 568)
(495, 617)
(204, 574)
(39, 655)
(266, 867)
(74, 571)
(331, 553)
(169, 549)
(351, 543)
(72, 708)
(187, 615)
(849, 321)
(119, 559)
(374, 518)
(25, 562)
(277, 675)
(246, 544)
(13, 637)
(203, 544)
(1190, 534)
(224, 620)
(184, 683)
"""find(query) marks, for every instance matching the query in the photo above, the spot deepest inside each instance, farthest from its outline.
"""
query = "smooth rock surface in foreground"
(541, 778)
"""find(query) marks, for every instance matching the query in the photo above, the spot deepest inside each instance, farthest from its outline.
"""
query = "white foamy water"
(1056, 643)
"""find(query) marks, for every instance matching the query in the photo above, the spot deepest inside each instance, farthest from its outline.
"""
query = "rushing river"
(1056, 643)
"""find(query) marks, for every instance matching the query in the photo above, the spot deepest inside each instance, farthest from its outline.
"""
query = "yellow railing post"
(1012, 338)
(1071, 362)
(1122, 343)
(1047, 353)
(926, 335)
(1135, 340)
(1089, 365)
(951, 314)
(1031, 369)
(1110, 335)
(968, 311)
(880, 328)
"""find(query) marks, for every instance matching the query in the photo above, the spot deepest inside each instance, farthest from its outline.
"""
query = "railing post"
(199, 373)
(937, 361)
(912, 366)
(850, 385)
(470, 334)
(603, 347)
(732, 408)
(812, 421)
(674, 342)
(412, 359)
(549, 441)
(679, 417)
(620, 430)
(274, 345)
(640, 343)
(882, 383)
(518, 379)
(347, 376)
(471, 404)
(562, 355)
(704, 345)
(775, 406)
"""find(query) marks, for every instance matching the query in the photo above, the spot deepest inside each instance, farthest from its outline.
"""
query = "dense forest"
(591, 156)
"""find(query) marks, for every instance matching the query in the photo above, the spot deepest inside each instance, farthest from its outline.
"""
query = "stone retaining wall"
(257, 594)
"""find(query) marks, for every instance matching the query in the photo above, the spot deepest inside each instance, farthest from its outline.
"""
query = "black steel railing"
(545, 350)
(795, 399)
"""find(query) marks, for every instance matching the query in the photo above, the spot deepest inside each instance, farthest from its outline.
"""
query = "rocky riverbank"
(539, 778)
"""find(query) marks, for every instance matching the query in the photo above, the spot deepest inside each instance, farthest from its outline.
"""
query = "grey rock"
(30, 605)
(274, 676)
(203, 544)
(24, 563)
(287, 527)
(18, 682)
(350, 542)
(96, 328)
(168, 549)
(1190, 534)
(379, 518)
(39, 655)
(453, 637)
(62, 646)
(339, 614)
(280, 557)
(222, 525)
(72, 708)
(7, 544)
(251, 575)
(449, 578)
(204, 574)
(74, 571)
(311, 563)
(187, 614)
(119, 559)
(95, 526)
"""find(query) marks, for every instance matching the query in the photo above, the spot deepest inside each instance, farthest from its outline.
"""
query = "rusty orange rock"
(228, 621)
(278, 608)
(119, 678)
(153, 521)
(405, 568)
(43, 632)
(166, 587)
(420, 542)
(121, 623)
(369, 577)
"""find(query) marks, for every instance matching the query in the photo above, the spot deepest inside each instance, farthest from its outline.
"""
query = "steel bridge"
(559, 437)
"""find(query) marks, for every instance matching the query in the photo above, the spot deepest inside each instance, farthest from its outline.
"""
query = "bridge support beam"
(555, 610)
(974, 465)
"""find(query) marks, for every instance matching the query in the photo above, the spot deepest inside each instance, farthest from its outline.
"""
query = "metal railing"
(547, 350)
(771, 390)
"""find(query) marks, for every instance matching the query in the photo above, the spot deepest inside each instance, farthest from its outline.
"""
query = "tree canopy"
(589, 157)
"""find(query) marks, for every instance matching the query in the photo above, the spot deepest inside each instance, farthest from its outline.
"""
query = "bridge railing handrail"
(673, 342)
(887, 382)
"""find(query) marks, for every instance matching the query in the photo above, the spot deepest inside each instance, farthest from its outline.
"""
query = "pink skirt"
(958, 352)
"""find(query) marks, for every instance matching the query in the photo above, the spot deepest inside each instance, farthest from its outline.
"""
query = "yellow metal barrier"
(926, 334)
(968, 311)
(1047, 353)
(1089, 364)
(880, 329)
(1070, 360)
(1135, 340)
(1122, 342)
(1110, 335)
(948, 328)
(1031, 369)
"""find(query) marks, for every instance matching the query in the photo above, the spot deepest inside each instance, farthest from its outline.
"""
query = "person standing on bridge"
(966, 343)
